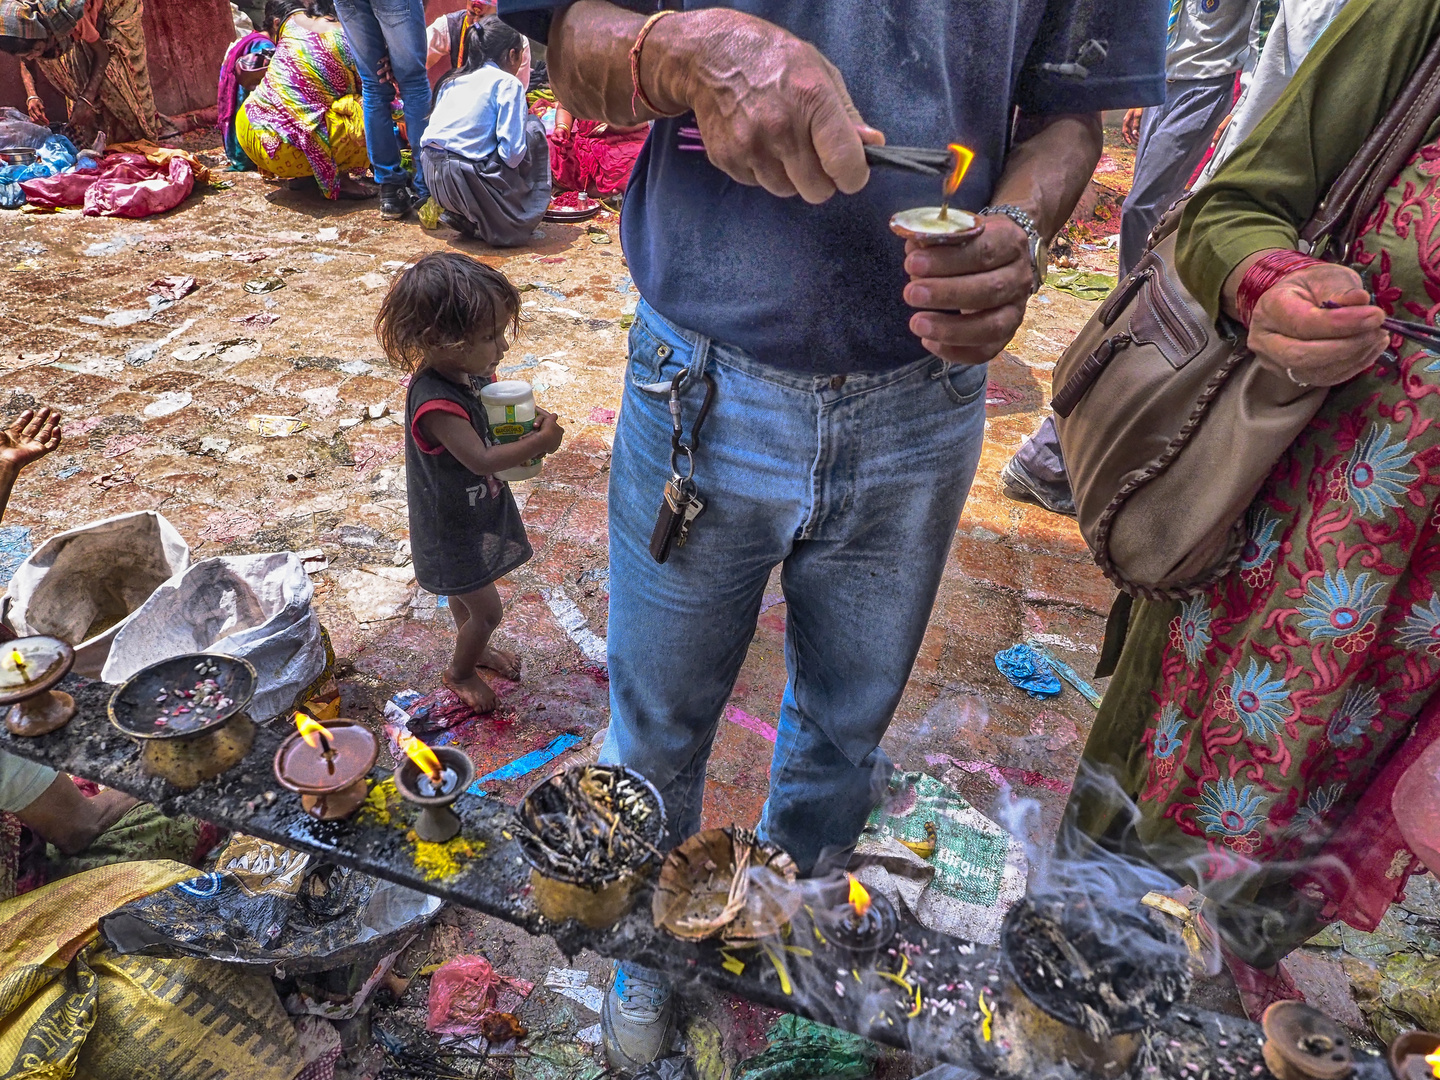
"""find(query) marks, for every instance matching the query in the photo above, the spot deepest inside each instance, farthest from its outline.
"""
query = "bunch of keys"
(682, 503)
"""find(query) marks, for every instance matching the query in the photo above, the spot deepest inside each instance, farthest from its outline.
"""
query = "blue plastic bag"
(1028, 670)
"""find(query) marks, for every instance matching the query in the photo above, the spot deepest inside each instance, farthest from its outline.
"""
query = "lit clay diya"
(861, 924)
(433, 778)
(1415, 1055)
(925, 225)
(327, 764)
(29, 669)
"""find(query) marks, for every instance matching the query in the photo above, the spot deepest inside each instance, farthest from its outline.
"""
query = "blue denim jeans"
(375, 29)
(854, 487)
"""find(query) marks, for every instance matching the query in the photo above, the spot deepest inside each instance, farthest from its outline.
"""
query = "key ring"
(677, 423)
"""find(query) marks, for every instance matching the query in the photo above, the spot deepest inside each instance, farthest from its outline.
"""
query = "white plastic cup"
(510, 408)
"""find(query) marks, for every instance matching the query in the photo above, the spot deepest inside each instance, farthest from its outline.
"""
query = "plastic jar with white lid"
(510, 408)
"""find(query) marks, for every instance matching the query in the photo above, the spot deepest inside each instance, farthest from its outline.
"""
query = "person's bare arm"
(33, 435)
(772, 110)
(33, 103)
(456, 434)
(63, 816)
(85, 112)
(973, 295)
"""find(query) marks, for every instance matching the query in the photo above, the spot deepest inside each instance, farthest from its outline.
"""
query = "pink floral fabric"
(1288, 688)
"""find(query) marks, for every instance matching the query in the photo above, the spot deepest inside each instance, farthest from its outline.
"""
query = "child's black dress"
(465, 530)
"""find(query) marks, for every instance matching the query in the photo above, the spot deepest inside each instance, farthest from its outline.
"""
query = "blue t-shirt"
(817, 289)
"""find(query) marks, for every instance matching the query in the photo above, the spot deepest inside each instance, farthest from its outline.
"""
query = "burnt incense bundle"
(583, 822)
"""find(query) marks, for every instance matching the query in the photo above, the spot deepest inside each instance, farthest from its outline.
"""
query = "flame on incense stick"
(424, 757)
(859, 897)
(962, 157)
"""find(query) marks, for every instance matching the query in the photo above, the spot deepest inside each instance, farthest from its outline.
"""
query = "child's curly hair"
(441, 302)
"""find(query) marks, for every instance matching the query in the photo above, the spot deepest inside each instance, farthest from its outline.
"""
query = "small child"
(445, 320)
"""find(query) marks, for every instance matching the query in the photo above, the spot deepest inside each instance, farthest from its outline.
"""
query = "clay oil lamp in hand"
(327, 764)
(940, 224)
(29, 669)
(433, 778)
(860, 924)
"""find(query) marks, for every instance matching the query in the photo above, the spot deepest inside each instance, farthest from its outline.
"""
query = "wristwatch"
(1039, 249)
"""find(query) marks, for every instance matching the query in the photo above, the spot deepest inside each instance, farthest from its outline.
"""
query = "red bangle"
(638, 97)
(1264, 275)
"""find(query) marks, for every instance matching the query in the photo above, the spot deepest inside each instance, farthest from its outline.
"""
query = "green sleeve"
(1269, 188)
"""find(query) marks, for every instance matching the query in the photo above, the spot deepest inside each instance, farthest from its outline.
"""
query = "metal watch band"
(1026, 222)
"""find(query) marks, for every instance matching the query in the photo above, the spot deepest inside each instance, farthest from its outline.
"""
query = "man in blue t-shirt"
(844, 369)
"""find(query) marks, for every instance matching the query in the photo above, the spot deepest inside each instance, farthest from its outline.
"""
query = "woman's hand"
(36, 108)
(1291, 331)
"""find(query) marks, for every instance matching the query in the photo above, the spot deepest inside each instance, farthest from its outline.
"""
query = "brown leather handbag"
(1168, 423)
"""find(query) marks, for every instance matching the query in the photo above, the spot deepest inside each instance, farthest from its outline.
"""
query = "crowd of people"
(1255, 731)
(326, 90)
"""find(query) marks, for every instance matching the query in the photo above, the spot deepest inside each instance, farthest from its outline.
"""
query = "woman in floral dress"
(1259, 728)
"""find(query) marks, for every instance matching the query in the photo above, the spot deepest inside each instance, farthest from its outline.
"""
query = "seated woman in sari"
(93, 52)
(593, 157)
(304, 119)
(485, 157)
(1261, 727)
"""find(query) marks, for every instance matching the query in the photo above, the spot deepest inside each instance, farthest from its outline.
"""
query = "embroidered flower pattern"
(1353, 718)
(1190, 630)
(1375, 476)
(1421, 629)
(1258, 554)
(1256, 699)
(1317, 804)
(1231, 813)
(1166, 741)
(1339, 610)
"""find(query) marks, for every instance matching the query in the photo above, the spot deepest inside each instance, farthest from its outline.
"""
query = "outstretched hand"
(33, 435)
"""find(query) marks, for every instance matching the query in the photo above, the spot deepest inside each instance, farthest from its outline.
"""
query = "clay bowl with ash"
(1080, 979)
(188, 715)
(725, 883)
(591, 836)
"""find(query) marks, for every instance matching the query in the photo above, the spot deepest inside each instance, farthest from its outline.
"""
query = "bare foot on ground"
(504, 663)
(473, 690)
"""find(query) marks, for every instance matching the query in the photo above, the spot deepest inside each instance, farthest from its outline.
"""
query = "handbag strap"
(1338, 218)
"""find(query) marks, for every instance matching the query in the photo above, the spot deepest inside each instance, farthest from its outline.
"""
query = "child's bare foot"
(473, 690)
(503, 663)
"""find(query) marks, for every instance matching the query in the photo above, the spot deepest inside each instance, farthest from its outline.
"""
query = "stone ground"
(160, 414)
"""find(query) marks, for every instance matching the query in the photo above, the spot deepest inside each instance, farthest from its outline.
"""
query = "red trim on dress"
(424, 445)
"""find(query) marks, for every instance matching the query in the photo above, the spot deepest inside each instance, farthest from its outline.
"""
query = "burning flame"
(312, 731)
(424, 757)
(962, 156)
(20, 665)
(1433, 1060)
(859, 897)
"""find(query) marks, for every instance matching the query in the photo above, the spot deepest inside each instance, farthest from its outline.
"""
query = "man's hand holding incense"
(771, 109)
(972, 296)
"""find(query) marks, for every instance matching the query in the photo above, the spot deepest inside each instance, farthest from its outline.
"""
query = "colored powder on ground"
(437, 861)
(380, 803)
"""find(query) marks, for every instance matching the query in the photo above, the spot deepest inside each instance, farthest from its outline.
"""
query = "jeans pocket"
(965, 382)
(653, 362)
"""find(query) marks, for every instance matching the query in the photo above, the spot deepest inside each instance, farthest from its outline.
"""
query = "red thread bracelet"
(638, 97)
(1264, 275)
